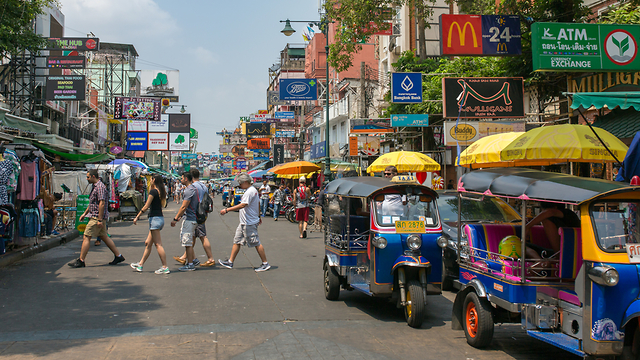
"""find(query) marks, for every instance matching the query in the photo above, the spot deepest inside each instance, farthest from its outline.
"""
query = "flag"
(305, 37)
(311, 30)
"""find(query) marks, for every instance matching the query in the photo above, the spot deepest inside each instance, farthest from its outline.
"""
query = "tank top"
(156, 203)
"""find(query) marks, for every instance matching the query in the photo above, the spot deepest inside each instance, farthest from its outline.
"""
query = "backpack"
(302, 192)
(205, 206)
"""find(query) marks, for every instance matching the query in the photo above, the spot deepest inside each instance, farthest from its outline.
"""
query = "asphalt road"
(112, 312)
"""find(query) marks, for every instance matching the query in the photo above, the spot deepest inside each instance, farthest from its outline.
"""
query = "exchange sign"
(585, 47)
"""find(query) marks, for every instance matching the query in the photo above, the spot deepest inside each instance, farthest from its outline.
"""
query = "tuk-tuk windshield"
(396, 207)
(616, 224)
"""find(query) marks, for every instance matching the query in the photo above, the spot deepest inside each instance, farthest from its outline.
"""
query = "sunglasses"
(388, 174)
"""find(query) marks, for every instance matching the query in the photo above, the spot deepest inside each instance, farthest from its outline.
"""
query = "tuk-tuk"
(582, 296)
(381, 239)
(226, 190)
(235, 196)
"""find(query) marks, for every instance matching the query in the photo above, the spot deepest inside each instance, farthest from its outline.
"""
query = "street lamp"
(323, 25)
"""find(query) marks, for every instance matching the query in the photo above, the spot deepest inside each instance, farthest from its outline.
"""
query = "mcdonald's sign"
(480, 35)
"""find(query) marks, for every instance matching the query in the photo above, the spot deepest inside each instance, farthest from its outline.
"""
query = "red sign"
(260, 143)
(384, 29)
(461, 34)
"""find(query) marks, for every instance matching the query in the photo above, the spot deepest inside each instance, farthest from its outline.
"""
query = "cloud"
(203, 56)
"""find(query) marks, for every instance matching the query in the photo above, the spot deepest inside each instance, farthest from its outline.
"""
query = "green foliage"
(180, 139)
(16, 25)
(160, 80)
(628, 13)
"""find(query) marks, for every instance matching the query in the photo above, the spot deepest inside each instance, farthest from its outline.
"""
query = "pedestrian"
(247, 231)
(301, 201)
(201, 230)
(265, 190)
(188, 210)
(278, 201)
(97, 213)
(156, 201)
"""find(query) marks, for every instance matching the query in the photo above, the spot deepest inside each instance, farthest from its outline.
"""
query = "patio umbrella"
(134, 163)
(404, 161)
(294, 167)
(257, 174)
(568, 142)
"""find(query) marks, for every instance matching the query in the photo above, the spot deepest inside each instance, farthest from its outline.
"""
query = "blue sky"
(223, 49)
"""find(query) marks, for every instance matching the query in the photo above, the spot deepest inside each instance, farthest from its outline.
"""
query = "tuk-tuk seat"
(569, 296)
(357, 224)
(570, 252)
(488, 236)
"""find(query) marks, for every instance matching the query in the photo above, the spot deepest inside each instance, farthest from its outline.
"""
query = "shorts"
(95, 230)
(201, 231)
(186, 232)
(247, 235)
(156, 222)
(302, 214)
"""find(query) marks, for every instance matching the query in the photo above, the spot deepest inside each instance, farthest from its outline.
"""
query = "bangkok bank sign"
(480, 35)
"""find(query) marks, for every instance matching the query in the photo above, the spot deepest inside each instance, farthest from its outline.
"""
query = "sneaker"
(187, 268)
(275, 219)
(77, 263)
(196, 262)
(180, 260)
(163, 270)
(226, 263)
(55, 232)
(45, 237)
(136, 266)
(263, 267)
(117, 260)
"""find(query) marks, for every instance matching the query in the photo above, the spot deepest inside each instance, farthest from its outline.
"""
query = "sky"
(223, 49)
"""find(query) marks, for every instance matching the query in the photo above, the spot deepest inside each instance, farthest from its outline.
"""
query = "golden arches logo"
(462, 33)
(502, 47)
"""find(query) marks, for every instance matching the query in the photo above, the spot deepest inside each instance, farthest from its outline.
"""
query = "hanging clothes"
(6, 173)
(29, 180)
(10, 155)
(29, 224)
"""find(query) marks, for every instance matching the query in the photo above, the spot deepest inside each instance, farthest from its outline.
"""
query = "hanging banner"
(480, 35)
(278, 154)
(136, 108)
(483, 97)
(158, 141)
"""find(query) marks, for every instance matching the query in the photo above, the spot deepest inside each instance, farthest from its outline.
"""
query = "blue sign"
(285, 133)
(406, 88)
(284, 115)
(298, 89)
(241, 165)
(318, 150)
(189, 156)
(501, 35)
(228, 158)
(260, 154)
(137, 141)
(410, 120)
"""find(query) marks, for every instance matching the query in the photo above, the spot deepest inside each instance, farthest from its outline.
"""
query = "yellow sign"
(463, 132)
(404, 178)
(410, 227)
(462, 33)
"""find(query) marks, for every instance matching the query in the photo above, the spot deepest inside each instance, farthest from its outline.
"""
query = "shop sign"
(66, 62)
(159, 126)
(480, 35)
(137, 108)
(318, 150)
(284, 115)
(298, 89)
(370, 126)
(158, 141)
(610, 81)
(262, 143)
(137, 141)
(273, 99)
(82, 203)
(406, 88)
(239, 150)
(260, 154)
(466, 132)
(285, 133)
(258, 129)
(189, 156)
(415, 120)
(278, 154)
(65, 87)
(179, 141)
(585, 47)
(179, 123)
(353, 146)
(73, 43)
(483, 97)
(258, 117)
(238, 139)
(368, 145)
(136, 126)
(225, 148)
(115, 150)
(193, 133)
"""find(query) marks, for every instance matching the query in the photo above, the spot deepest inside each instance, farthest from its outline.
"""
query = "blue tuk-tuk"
(579, 290)
(381, 238)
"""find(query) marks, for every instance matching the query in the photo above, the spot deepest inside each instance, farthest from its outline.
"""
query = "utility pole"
(363, 92)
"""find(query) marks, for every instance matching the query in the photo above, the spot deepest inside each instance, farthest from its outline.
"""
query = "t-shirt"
(264, 191)
(156, 203)
(202, 190)
(190, 195)
(393, 204)
(278, 197)
(250, 214)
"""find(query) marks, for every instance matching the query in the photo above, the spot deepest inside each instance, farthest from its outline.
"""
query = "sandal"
(209, 263)
(304, 234)
(180, 260)
(97, 243)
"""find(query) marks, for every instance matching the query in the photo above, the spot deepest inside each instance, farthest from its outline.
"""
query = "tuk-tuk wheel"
(478, 321)
(331, 283)
(414, 310)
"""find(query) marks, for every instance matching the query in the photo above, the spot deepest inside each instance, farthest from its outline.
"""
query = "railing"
(546, 269)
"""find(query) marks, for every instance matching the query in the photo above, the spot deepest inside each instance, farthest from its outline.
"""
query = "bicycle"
(66, 219)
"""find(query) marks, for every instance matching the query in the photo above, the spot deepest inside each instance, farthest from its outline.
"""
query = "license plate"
(633, 252)
(405, 227)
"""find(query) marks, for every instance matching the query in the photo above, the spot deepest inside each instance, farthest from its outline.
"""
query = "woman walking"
(156, 201)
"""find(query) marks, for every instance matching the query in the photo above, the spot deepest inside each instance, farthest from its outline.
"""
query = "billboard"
(160, 126)
(136, 126)
(65, 87)
(318, 150)
(258, 129)
(137, 141)
(483, 97)
(72, 43)
(298, 89)
(238, 139)
(136, 108)
(158, 141)
(160, 84)
(585, 47)
(180, 123)
(179, 141)
(406, 88)
(66, 62)
(370, 126)
(480, 35)
(467, 132)
(260, 143)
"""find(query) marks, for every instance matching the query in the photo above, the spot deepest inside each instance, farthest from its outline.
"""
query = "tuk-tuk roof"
(363, 186)
(531, 184)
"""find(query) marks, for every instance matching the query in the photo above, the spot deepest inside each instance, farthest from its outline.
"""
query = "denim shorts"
(156, 222)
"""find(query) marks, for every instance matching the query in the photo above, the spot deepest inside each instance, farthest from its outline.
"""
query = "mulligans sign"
(585, 47)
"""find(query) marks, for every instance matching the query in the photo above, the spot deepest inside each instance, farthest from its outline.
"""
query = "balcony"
(337, 111)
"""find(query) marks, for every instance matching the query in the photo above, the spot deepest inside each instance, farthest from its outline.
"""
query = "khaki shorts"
(187, 232)
(247, 235)
(93, 229)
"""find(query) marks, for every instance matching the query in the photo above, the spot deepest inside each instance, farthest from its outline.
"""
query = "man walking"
(265, 189)
(247, 231)
(301, 201)
(97, 214)
(278, 200)
(201, 229)
(188, 209)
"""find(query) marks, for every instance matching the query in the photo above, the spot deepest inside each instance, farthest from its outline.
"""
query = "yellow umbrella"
(297, 176)
(294, 167)
(405, 161)
(569, 142)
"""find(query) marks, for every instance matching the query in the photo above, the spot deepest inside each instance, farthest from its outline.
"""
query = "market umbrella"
(294, 167)
(257, 174)
(404, 161)
(568, 142)
(134, 163)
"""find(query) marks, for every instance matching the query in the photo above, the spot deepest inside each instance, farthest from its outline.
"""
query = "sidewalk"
(15, 256)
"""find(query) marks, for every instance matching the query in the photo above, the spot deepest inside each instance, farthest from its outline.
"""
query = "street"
(52, 311)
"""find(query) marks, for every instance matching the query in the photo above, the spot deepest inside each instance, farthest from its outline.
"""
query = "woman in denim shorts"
(156, 201)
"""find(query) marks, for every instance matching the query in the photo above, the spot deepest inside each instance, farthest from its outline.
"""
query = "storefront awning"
(16, 122)
(83, 158)
(622, 124)
(611, 100)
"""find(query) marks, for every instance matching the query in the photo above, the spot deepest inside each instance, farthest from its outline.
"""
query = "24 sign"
(480, 35)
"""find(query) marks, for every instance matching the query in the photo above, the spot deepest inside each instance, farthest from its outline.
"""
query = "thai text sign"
(263, 143)
(409, 120)
(298, 89)
(480, 35)
(585, 47)
(65, 87)
(483, 97)
(406, 88)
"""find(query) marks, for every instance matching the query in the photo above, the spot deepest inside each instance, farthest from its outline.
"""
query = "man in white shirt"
(393, 204)
(247, 231)
(265, 190)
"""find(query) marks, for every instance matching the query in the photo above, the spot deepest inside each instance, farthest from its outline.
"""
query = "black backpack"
(205, 206)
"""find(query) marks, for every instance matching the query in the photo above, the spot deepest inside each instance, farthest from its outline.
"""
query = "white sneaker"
(263, 267)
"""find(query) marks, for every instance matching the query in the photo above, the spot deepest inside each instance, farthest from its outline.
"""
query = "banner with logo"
(260, 143)
(469, 131)
(159, 126)
(160, 84)
(411, 120)
(483, 97)
(609, 81)
(158, 141)
(73, 43)
(406, 88)
(585, 47)
(480, 35)
(258, 129)
(136, 108)
(298, 89)
(179, 141)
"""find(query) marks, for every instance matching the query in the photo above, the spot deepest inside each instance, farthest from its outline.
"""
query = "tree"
(16, 25)
(628, 13)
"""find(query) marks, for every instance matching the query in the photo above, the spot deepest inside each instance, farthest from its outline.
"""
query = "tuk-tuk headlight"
(379, 242)
(604, 275)
(414, 242)
(443, 242)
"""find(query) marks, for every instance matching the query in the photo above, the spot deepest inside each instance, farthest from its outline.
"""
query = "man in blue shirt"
(188, 209)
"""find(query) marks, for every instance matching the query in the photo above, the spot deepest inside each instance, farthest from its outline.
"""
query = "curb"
(8, 259)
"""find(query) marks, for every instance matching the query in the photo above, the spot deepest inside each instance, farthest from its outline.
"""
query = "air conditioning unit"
(397, 50)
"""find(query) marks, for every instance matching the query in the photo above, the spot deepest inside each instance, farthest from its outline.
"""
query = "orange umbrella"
(294, 168)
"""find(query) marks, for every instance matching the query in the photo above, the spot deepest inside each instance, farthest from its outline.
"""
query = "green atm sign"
(585, 47)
